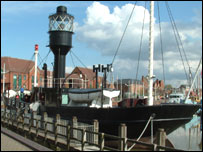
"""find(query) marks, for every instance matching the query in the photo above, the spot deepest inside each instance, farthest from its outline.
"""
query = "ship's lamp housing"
(61, 21)
(60, 39)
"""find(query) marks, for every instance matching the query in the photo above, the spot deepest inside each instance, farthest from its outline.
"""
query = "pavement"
(9, 144)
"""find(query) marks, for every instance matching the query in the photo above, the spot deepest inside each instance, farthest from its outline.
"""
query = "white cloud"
(103, 29)
(69, 69)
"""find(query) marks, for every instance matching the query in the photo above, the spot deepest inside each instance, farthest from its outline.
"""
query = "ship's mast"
(151, 48)
(4, 78)
(35, 77)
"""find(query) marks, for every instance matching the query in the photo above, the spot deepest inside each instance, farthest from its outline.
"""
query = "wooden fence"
(72, 133)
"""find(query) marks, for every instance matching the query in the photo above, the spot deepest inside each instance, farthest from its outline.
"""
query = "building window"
(32, 79)
(40, 79)
(24, 77)
(14, 81)
(19, 81)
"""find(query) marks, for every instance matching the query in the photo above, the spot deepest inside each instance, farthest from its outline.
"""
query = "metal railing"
(69, 82)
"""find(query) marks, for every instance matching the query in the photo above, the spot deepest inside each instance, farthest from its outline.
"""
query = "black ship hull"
(167, 116)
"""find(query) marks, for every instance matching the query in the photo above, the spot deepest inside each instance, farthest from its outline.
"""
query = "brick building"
(134, 88)
(19, 73)
(83, 78)
(159, 84)
(130, 87)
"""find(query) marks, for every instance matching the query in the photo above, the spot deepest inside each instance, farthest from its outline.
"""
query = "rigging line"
(161, 42)
(72, 58)
(190, 76)
(187, 61)
(40, 58)
(123, 33)
(74, 65)
(79, 60)
(28, 72)
(26, 67)
(177, 42)
(138, 61)
(45, 57)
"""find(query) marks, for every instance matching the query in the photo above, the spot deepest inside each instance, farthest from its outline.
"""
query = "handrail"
(7, 119)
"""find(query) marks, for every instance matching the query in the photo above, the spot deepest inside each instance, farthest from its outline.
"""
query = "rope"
(161, 42)
(72, 58)
(40, 58)
(26, 70)
(29, 64)
(123, 34)
(79, 59)
(150, 119)
(180, 41)
(45, 58)
(173, 26)
(71, 52)
(138, 61)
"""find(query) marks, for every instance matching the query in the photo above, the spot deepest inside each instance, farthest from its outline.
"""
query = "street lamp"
(97, 69)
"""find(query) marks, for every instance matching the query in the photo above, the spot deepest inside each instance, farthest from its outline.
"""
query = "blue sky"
(24, 24)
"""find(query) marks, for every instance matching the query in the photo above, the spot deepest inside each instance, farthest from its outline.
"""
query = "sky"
(98, 28)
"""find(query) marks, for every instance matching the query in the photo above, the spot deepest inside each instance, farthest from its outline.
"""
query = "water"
(188, 137)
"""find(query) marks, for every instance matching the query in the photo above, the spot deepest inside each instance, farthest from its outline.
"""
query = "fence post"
(23, 124)
(45, 125)
(4, 117)
(34, 118)
(17, 118)
(12, 115)
(83, 140)
(30, 124)
(75, 124)
(9, 117)
(37, 127)
(56, 128)
(96, 129)
(26, 110)
(161, 138)
(68, 137)
(123, 134)
(101, 144)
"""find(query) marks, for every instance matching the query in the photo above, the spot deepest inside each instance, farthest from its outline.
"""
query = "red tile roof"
(17, 65)
(74, 76)
(87, 72)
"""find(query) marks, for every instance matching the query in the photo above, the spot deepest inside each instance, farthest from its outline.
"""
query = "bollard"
(96, 129)
(161, 138)
(123, 134)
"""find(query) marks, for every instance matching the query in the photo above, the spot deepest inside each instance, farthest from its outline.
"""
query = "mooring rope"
(150, 119)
